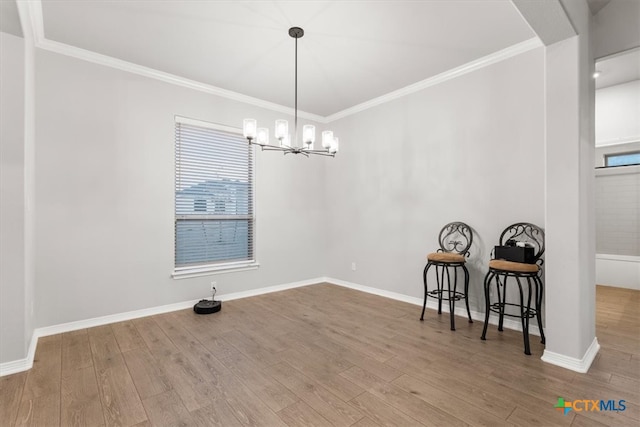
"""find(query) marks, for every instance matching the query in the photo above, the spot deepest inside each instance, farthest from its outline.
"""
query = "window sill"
(618, 170)
(209, 270)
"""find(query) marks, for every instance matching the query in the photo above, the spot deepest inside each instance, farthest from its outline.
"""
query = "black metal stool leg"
(424, 278)
(529, 316)
(502, 298)
(440, 287)
(524, 317)
(466, 291)
(487, 284)
(531, 289)
(452, 300)
(539, 294)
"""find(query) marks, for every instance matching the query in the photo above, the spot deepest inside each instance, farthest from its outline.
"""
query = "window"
(214, 220)
(622, 159)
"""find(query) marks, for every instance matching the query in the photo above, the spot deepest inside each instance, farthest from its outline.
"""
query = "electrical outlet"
(213, 286)
(353, 266)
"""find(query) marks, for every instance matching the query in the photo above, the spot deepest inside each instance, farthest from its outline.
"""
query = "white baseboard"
(20, 365)
(16, 366)
(579, 365)
(375, 291)
(432, 304)
(129, 315)
(26, 363)
(13, 367)
(270, 289)
(620, 271)
(112, 318)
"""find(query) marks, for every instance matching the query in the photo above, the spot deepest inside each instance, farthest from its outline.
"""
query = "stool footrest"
(444, 295)
(498, 308)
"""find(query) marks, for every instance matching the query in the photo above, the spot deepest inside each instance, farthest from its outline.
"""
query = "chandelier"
(260, 136)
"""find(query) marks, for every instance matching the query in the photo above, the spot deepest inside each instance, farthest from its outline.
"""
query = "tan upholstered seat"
(445, 257)
(519, 267)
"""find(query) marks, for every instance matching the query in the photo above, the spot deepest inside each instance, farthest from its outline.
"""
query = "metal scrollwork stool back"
(455, 240)
(500, 271)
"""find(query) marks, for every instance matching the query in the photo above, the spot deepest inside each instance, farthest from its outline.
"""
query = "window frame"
(205, 269)
(619, 154)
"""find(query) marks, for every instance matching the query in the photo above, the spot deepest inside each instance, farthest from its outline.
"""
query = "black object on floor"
(207, 306)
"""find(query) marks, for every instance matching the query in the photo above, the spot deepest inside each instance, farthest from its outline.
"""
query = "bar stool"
(455, 240)
(500, 271)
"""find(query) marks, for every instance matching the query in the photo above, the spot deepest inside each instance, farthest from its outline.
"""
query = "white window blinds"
(214, 220)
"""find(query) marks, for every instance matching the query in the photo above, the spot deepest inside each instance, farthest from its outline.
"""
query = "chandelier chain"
(295, 120)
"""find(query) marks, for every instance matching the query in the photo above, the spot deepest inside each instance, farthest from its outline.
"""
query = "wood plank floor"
(320, 355)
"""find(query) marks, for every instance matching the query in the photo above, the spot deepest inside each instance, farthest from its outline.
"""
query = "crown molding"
(108, 61)
(30, 13)
(33, 10)
(485, 61)
(33, 13)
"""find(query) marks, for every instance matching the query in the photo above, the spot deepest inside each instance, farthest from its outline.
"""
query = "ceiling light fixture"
(260, 136)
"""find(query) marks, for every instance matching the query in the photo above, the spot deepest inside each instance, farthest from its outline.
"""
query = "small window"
(622, 159)
(214, 220)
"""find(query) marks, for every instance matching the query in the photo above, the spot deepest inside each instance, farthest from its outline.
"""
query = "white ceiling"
(352, 51)
(618, 69)
(9, 18)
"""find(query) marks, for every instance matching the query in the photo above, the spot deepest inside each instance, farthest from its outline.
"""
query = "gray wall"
(105, 195)
(13, 342)
(617, 208)
(616, 28)
(618, 114)
(470, 149)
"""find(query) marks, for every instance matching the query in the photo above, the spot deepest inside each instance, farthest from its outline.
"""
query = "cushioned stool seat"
(445, 257)
(520, 267)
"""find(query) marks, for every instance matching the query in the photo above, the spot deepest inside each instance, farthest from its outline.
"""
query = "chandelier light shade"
(287, 144)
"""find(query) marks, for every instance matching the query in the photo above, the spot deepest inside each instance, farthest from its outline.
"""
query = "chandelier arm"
(272, 148)
(293, 150)
(323, 152)
(320, 153)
